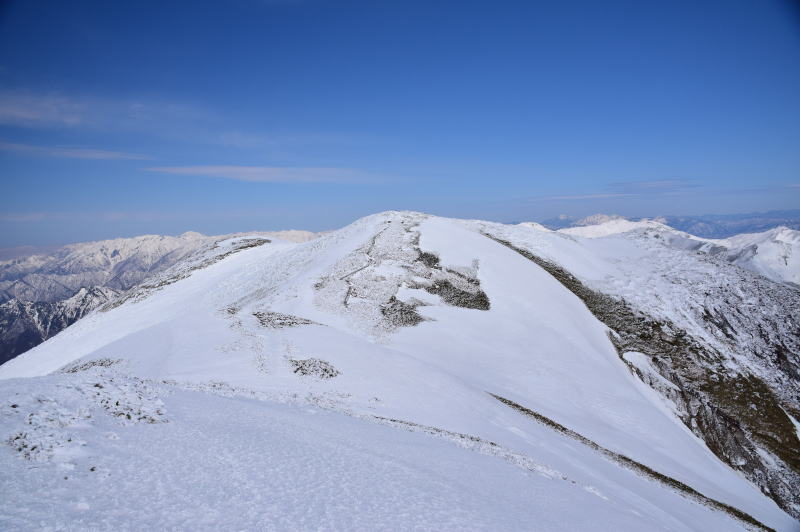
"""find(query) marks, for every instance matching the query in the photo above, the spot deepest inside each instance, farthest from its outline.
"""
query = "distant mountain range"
(774, 253)
(706, 226)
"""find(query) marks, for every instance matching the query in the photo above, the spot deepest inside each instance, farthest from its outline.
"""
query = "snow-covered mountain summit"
(620, 373)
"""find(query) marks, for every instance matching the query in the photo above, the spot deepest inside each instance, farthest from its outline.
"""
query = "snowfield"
(404, 372)
(774, 253)
(236, 463)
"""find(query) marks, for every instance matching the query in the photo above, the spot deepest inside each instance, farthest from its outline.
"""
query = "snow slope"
(616, 225)
(234, 463)
(774, 253)
(407, 320)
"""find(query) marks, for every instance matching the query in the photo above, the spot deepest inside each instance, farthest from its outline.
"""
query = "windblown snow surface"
(394, 374)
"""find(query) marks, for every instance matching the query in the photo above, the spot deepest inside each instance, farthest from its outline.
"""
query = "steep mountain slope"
(42, 294)
(447, 328)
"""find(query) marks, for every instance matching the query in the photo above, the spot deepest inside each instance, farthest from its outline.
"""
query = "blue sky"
(119, 119)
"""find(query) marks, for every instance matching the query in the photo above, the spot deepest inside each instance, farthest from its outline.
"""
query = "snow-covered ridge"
(118, 264)
(613, 226)
(774, 253)
(42, 294)
(410, 320)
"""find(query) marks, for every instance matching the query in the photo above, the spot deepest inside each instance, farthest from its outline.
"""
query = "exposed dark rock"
(314, 367)
(428, 259)
(77, 367)
(276, 320)
(401, 314)
(459, 297)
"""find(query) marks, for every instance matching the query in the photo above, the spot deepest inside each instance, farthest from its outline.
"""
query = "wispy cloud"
(586, 196)
(94, 217)
(274, 174)
(42, 110)
(23, 217)
(70, 153)
(105, 216)
(24, 108)
(658, 186)
(183, 122)
(627, 189)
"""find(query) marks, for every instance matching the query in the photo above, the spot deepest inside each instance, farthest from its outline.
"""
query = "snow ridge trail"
(370, 262)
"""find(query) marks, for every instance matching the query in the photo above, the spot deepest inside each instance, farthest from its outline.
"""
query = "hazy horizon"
(19, 251)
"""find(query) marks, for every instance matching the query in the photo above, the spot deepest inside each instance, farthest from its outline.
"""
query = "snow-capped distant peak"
(193, 235)
(596, 219)
(535, 225)
(612, 226)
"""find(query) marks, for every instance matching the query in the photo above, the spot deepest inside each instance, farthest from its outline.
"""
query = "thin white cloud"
(658, 186)
(23, 108)
(42, 110)
(587, 196)
(71, 216)
(628, 189)
(273, 174)
(70, 153)
(173, 122)
(22, 217)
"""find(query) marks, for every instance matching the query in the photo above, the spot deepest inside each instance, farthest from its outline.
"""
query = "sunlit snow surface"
(245, 442)
(774, 253)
